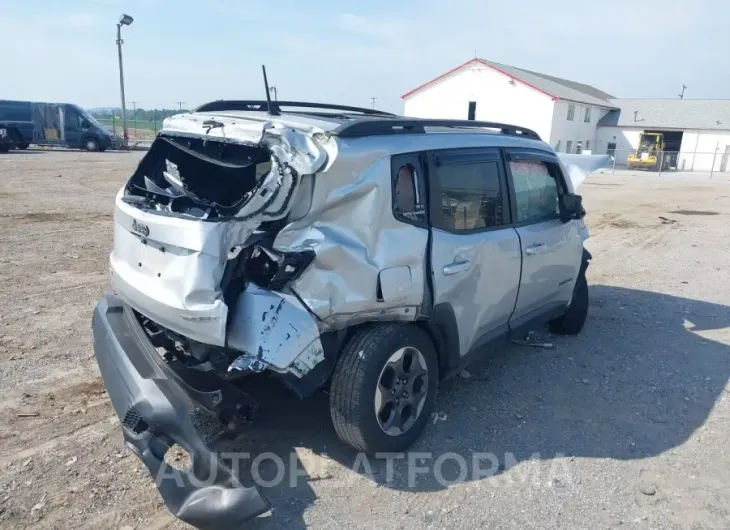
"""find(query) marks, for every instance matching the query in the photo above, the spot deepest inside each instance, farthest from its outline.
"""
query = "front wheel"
(572, 321)
(384, 387)
(91, 144)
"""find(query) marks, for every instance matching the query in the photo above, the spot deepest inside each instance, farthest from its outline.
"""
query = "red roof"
(478, 61)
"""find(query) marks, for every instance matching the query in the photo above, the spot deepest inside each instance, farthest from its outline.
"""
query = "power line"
(373, 99)
(180, 103)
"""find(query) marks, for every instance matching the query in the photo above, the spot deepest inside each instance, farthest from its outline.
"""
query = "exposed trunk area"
(198, 178)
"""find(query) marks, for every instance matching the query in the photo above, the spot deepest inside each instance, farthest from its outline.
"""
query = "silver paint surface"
(276, 329)
(342, 211)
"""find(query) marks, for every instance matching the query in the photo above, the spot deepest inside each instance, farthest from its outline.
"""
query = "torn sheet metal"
(351, 229)
(299, 148)
(578, 167)
(276, 329)
(170, 267)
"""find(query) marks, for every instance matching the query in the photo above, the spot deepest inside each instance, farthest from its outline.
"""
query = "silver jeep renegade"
(328, 247)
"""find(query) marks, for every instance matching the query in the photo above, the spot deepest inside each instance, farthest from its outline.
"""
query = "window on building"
(472, 111)
(557, 147)
(471, 196)
(568, 146)
(611, 148)
(578, 148)
(587, 117)
(588, 145)
(571, 112)
(536, 190)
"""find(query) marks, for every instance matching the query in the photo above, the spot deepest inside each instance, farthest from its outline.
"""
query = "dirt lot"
(625, 425)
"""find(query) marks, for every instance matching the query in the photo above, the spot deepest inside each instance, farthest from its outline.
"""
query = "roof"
(339, 120)
(669, 114)
(555, 87)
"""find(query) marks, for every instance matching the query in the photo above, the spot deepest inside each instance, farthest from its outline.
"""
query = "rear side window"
(470, 195)
(409, 200)
(536, 190)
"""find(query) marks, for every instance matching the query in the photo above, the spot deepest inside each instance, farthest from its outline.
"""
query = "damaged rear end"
(202, 298)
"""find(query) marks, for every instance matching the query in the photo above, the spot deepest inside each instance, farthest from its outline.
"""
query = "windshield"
(84, 114)
(648, 142)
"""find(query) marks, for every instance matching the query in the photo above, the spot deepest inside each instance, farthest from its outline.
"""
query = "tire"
(362, 366)
(4, 148)
(91, 144)
(572, 321)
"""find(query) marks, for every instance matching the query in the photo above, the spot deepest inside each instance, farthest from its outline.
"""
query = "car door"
(551, 248)
(475, 253)
(71, 126)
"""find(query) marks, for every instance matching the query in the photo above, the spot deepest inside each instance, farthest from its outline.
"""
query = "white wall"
(625, 138)
(577, 130)
(704, 150)
(497, 100)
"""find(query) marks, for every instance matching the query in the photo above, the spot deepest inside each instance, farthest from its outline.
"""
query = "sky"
(348, 52)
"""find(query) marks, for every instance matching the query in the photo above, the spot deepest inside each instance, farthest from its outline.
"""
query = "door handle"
(534, 249)
(457, 267)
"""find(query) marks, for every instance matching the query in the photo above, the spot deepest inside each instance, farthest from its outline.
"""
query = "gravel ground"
(624, 425)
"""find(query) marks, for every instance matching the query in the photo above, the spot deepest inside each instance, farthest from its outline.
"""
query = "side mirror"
(571, 207)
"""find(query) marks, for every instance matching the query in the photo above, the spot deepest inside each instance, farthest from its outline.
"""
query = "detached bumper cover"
(156, 412)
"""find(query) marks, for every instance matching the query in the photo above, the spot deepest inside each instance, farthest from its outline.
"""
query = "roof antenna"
(269, 107)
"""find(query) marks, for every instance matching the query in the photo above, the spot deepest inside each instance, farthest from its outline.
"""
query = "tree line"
(140, 114)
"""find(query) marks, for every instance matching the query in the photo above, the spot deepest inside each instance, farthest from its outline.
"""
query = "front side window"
(71, 118)
(470, 196)
(571, 112)
(536, 190)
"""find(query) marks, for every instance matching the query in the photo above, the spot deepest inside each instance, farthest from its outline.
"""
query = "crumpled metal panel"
(169, 268)
(276, 329)
(351, 229)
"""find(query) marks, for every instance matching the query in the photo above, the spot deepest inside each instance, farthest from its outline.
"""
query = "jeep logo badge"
(140, 229)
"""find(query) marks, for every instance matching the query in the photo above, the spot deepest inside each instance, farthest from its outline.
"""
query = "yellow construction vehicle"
(649, 154)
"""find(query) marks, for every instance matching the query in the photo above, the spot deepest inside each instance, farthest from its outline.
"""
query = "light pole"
(124, 20)
(134, 115)
(272, 89)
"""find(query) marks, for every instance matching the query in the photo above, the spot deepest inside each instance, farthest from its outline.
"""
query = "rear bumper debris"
(157, 411)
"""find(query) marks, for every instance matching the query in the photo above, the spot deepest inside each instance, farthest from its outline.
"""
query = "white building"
(562, 112)
(574, 117)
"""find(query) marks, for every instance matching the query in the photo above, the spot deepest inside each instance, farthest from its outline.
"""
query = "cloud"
(82, 20)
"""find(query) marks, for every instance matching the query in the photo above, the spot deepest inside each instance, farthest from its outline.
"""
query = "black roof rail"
(278, 106)
(399, 125)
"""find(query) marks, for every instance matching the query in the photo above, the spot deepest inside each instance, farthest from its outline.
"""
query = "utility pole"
(124, 20)
(180, 103)
(134, 115)
(681, 95)
(373, 99)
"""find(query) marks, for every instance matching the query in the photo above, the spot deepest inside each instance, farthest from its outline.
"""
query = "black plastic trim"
(158, 413)
(401, 125)
(277, 106)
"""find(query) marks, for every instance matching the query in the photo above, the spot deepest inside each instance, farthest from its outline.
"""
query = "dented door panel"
(478, 275)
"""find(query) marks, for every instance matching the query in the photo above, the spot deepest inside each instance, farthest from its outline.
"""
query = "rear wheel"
(384, 387)
(572, 321)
